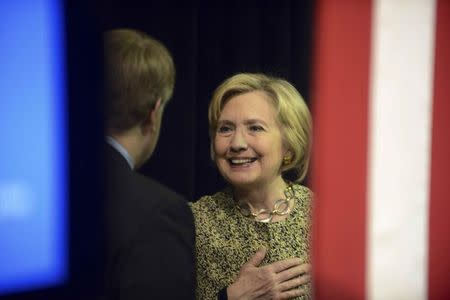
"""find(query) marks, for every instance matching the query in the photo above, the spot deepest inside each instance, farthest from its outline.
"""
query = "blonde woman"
(252, 238)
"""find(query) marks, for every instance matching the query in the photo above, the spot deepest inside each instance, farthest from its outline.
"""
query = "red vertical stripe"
(439, 225)
(340, 109)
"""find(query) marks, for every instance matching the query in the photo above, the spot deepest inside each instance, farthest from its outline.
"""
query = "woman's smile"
(241, 161)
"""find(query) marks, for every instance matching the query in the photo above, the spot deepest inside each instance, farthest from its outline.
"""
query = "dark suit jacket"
(150, 236)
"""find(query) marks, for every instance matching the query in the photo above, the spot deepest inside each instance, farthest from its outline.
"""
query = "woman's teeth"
(240, 161)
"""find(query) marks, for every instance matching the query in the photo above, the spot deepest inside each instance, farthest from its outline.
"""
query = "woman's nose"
(238, 142)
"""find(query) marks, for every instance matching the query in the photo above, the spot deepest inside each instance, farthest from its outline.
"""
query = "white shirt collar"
(116, 145)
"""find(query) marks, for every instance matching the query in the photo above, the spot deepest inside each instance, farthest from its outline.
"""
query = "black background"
(210, 41)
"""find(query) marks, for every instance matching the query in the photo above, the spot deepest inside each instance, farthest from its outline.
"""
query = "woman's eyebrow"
(255, 121)
(225, 122)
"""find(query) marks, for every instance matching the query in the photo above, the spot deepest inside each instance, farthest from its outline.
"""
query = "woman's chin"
(242, 182)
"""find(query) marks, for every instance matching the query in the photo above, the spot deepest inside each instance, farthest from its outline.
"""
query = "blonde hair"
(139, 71)
(293, 115)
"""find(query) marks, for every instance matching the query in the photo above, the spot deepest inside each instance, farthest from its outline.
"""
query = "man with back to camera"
(149, 229)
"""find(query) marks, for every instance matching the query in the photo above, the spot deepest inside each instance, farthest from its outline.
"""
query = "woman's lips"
(241, 161)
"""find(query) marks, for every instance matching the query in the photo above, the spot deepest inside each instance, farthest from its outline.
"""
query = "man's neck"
(132, 143)
(119, 148)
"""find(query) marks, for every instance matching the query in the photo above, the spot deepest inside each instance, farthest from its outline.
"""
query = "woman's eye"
(224, 129)
(256, 128)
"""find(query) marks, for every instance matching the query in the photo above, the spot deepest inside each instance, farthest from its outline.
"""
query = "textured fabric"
(225, 239)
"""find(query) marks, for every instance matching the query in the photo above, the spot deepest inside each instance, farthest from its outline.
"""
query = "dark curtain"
(210, 41)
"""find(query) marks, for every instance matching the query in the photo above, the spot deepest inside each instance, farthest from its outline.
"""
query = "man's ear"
(151, 121)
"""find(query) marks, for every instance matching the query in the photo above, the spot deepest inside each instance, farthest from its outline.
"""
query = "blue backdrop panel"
(33, 159)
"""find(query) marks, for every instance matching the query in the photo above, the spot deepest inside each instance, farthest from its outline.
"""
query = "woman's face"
(248, 142)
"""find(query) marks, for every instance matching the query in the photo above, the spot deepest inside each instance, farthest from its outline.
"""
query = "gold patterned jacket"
(225, 239)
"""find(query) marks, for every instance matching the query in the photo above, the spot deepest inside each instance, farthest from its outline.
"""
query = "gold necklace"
(281, 207)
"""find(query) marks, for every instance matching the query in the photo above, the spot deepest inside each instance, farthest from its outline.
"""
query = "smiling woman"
(252, 239)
